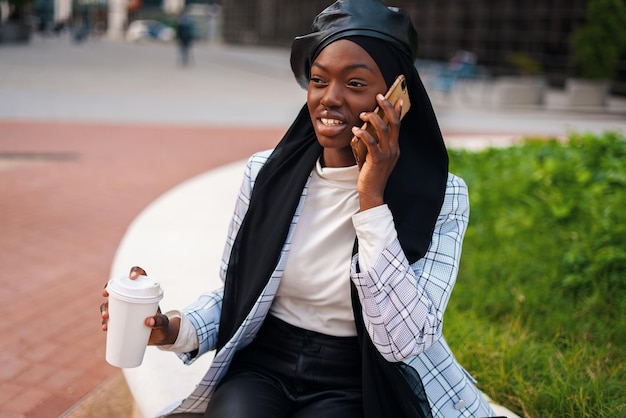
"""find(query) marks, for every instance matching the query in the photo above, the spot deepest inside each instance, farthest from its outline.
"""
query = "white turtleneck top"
(314, 292)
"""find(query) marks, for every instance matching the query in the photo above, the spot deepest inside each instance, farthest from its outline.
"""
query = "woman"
(336, 279)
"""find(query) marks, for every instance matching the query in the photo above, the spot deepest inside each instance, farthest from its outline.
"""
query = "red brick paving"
(67, 194)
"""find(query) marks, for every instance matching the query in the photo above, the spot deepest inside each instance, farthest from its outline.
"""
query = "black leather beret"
(347, 18)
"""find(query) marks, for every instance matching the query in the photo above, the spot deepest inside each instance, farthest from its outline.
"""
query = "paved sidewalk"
(68, 194)
(90, 135)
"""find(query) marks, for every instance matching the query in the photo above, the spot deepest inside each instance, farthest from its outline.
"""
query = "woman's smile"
(331, 122)
(330, 125)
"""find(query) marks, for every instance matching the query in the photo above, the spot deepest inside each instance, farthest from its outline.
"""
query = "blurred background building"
(508, 37)
(504, 37)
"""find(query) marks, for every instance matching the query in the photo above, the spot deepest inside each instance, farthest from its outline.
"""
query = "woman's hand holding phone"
(378, 140)
(397, 92)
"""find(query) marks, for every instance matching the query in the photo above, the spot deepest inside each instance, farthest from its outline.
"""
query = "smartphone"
(398, 90)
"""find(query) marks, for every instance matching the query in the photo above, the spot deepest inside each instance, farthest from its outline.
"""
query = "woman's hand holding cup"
(162, 330)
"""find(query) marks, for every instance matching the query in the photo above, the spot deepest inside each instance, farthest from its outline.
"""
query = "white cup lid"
(143, 289)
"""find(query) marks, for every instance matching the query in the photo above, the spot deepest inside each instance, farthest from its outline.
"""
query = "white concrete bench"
(178, 239)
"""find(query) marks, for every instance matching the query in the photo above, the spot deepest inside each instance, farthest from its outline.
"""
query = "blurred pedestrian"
(184, 37)
(82, 31)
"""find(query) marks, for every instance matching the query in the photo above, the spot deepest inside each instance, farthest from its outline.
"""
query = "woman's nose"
(332, 96)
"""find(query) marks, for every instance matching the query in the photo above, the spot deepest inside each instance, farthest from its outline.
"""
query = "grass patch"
(537, 312)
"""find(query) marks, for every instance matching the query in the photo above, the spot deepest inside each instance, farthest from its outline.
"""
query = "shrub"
(544, 275)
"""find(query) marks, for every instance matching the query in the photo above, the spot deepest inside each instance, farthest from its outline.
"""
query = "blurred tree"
(599, 43)
(524, 64)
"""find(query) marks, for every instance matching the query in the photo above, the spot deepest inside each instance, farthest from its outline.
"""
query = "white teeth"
(331, 122)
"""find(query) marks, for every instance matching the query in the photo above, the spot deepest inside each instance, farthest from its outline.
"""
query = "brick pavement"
(67, 194)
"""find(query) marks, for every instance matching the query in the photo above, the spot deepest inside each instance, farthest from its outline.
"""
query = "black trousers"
(291, 372)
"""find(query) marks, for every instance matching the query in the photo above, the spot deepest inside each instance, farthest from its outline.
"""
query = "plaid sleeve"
(204, 315)
(403, 305)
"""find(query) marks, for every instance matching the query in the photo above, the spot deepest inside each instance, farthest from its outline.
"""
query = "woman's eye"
(316, 80)
(355, 83)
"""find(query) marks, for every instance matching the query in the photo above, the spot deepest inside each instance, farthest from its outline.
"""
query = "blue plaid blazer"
(403, 307)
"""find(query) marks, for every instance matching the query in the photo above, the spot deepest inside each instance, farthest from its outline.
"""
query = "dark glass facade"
(492, 29)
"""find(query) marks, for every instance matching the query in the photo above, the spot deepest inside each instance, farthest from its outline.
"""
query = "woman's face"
(344, 82)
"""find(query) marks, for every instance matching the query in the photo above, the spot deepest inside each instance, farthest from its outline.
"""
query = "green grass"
(538, 314)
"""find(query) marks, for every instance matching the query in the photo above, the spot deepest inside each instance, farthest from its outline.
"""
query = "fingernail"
(355, 129)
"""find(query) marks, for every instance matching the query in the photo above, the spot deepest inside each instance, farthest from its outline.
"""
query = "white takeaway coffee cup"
(130, 303)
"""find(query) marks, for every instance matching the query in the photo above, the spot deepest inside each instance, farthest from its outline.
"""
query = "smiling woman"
(337, 277)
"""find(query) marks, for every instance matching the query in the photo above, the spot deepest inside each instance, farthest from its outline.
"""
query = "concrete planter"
(519, 91)
(590, 93)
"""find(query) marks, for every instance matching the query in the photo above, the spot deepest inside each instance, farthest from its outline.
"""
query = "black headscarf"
(414, 193)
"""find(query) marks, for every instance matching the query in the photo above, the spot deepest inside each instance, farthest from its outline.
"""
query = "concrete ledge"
(178, 239)
(110, 399)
